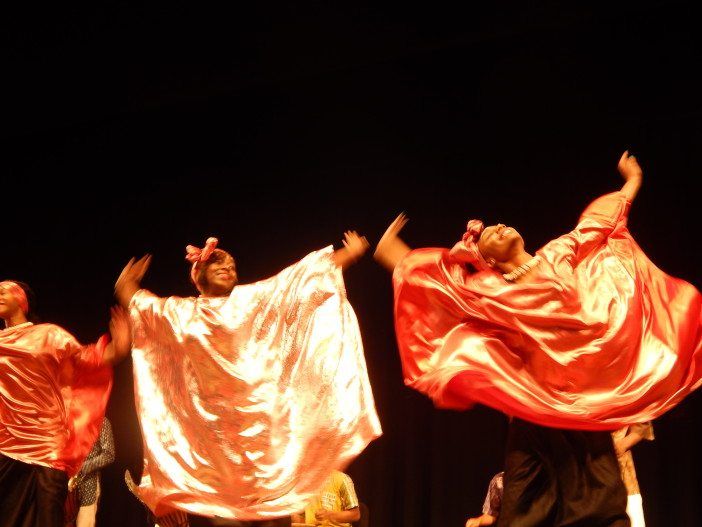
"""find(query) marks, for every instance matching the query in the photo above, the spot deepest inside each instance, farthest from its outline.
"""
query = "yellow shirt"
(337, 494)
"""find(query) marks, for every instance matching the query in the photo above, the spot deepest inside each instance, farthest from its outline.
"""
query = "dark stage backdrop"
(133, 131)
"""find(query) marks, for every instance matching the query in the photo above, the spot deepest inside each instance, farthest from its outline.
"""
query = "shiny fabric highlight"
(248, 402)
(599, 339)
(53, 394)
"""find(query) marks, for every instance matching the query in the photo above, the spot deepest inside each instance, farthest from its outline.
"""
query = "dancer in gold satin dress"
(249, 395)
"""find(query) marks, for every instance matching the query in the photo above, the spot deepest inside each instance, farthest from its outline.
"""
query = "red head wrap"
(17, 292)
(198, 256)
(467, 251)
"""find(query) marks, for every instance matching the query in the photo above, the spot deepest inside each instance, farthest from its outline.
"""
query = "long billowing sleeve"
(596, 224)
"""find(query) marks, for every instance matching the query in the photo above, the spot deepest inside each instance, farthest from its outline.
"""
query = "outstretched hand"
(129, 280)
(630, 170)
(391, 249)
(355, 244)
(629, 167)
(354, 247)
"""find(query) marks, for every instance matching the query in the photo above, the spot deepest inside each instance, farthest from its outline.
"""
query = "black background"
(276, 127)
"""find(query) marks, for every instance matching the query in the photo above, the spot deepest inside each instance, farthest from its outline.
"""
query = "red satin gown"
(53, 393)
(598, 339)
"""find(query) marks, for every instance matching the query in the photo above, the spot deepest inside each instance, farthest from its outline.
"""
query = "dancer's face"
(9, 307)
(500, 243)
(219, 277)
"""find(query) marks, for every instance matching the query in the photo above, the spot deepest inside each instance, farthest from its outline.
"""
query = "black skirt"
(31, 495)
(557, 477)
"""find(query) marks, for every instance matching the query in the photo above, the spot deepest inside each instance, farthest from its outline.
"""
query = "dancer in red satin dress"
(53, 393)
(248, 395)
(585, 335)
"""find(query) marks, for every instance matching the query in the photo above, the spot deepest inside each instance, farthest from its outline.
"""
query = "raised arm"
(391, 249)
(121, 335)
(129, 281)
(630, 170)
(354, 247)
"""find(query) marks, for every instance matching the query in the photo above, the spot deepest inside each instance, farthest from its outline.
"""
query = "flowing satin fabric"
(248, 402)
(599, 339)
(53, 394)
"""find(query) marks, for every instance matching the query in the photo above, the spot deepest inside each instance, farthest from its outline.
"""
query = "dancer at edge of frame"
(248, 395)
(584, 336)
(53, 393)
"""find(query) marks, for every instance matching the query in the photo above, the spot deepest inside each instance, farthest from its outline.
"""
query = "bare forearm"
(125, 291)
(343, 258)
(351, 515)
(631, 188)
(389, 255)
(114, 354)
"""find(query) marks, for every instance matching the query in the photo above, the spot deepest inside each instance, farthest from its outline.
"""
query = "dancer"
(248, 395)
(624, 440)
(53, 393)
(87, 482)
(585, 335)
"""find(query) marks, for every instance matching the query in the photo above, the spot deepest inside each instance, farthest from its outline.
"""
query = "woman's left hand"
(629, 167)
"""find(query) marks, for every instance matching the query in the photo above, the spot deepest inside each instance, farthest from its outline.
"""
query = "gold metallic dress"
(248, 402)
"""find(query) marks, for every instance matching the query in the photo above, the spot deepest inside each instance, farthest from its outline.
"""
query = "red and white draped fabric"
(53, 394)
(600, 338)
(248, 402)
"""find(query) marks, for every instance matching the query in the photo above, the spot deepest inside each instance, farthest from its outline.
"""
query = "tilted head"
(500, 244)
(486, 247)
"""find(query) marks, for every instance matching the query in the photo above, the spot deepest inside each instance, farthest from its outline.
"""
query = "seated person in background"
(624, 439)
(493, 502)
(336, 505)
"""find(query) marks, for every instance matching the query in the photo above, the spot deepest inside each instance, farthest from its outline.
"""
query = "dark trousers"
(561, 478)
(31, 495)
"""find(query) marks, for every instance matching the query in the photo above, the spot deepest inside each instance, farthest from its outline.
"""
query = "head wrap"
(198, 256)
(466, 250)
(17, 292)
